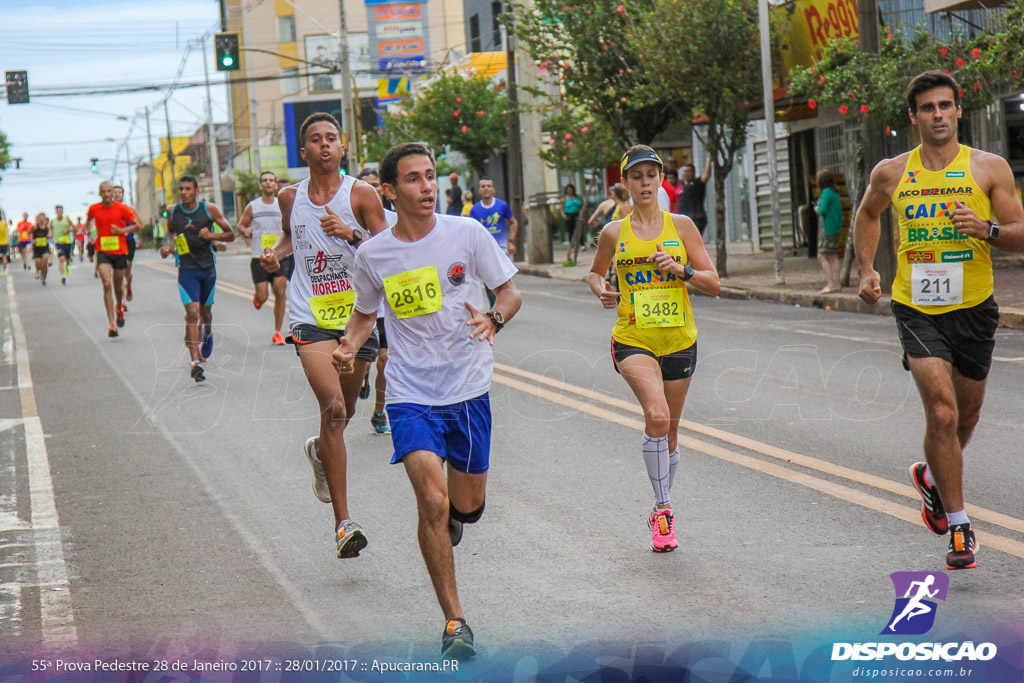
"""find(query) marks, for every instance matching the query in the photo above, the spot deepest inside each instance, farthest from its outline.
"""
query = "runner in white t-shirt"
(429, 269)
(323, 218)
(260, 225)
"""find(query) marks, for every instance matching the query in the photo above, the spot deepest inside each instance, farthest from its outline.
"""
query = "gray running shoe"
(457, 640)
(454, 530)
(320, 489)
(351, 539)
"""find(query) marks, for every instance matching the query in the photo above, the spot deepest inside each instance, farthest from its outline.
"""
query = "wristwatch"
(993, 231)
(687, 272)
(357, 237)
(497, 318)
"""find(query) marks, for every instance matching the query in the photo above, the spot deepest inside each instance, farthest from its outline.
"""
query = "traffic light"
(95, 164)
(226, 47)
(17, 87)
(163, 211)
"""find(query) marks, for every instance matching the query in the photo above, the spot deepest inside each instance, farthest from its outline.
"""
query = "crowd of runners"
(369, 273)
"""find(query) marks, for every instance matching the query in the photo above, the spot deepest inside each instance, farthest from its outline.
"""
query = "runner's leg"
(337, 400)
(380, 384)
(261, 292)
(279, 284)
(969, 396)
(934, 379)
(106, 276)
(192, 337)
(428, 483)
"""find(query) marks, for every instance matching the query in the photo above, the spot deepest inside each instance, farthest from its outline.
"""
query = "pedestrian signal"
(17, 87)
(95, 164)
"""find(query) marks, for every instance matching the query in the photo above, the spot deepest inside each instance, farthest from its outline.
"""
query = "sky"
(74, 43)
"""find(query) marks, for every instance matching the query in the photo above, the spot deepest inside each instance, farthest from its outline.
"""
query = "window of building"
(286, 29)
(290, 80)
(474, 33)
(497, 9)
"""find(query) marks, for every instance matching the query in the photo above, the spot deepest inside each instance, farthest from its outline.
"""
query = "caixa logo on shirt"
(457, 273)
(914, 614)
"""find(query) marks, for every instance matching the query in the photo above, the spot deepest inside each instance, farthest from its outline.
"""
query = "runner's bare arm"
(270, 259)
(244, 224)
(705, 276)
(868, 227)
(599, 268)
(507, 301)
(706, 176)
(357, 331)
(228, 235)
(995, 177)
(367, 208)
(513, 232)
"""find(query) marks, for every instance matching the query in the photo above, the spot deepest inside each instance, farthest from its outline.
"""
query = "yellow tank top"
(654, 310)
(939, 269)
(3, 233)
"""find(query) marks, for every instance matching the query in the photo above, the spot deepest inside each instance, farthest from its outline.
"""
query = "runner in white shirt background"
(429, 269)
(323, 218)
(260, 225)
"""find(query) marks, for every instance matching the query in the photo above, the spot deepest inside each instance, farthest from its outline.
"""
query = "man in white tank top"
(261, 226)
(323, 219)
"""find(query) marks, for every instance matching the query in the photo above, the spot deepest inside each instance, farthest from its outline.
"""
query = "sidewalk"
(752, 276)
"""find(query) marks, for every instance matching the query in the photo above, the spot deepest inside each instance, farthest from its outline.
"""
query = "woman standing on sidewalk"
(830, 208)
(654, 341)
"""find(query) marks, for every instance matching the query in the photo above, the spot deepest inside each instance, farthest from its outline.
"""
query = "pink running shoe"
(663, 531)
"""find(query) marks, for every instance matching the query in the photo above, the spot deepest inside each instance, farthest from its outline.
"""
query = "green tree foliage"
(467, 114)
(247, 185)
(581, 49)
(579, 143)
(5, 150)
(709, 53)
(874, 85)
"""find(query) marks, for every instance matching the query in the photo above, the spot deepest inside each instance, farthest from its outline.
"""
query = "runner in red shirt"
(113, 220)
(24, 239)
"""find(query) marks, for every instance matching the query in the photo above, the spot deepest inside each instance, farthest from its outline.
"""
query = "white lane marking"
(56, 614)
(306, 607)
(10, 424)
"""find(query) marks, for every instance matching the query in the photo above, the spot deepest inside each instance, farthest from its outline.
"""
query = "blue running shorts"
(459, 433)
(197, 285)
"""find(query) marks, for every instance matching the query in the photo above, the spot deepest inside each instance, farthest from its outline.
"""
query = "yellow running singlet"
(666, 324)
(939, 269)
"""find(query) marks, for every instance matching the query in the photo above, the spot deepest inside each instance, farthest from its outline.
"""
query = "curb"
(1010, 318)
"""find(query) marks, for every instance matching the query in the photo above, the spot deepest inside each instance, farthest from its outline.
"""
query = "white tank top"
(266, 220)
(323, 265)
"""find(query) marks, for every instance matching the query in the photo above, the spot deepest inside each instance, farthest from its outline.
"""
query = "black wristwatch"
(497, 318)
(356, 238)
(687, 272)
(993, 231)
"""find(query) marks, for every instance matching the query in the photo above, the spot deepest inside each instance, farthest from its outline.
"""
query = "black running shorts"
(260, 275)
(118, 261)
(39, 252)
(131, 249)
(303, 334)
(381, 334)
(965, 338)
(678, 365)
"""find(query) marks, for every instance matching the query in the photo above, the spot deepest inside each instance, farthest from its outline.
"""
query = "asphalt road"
(187, 523)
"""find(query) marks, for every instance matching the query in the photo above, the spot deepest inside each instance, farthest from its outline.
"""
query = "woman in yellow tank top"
(654, 341)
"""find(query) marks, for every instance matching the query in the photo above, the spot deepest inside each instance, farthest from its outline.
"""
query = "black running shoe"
(457, 640)
(932, 512)
(197, 372)
(120, 315)
(112, 331)
(364, 391)
(962, 546)
(454, 530)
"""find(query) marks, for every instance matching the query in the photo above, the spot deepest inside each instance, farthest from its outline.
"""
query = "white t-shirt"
(391, 217)
(266, 220)
(431, 359)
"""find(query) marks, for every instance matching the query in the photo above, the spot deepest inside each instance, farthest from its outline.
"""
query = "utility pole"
(169, 189)
(152, 169)
(873, 144)
(254, 146)
(211, 135)
(769, 120)
(515, 152)
(128, 162)
(349, 124)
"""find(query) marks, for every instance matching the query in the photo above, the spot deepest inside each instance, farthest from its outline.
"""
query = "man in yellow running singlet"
(952, 203)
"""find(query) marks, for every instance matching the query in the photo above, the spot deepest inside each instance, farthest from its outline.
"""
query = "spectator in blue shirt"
(497, 217)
